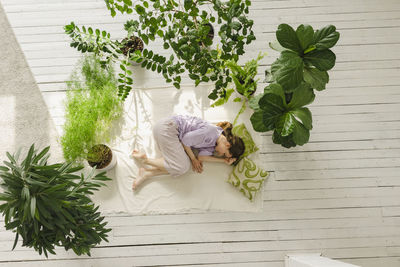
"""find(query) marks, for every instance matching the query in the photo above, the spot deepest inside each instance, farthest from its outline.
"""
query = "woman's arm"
(196, 163)
(228, 161)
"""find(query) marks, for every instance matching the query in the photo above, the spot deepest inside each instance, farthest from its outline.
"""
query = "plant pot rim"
(111, 162)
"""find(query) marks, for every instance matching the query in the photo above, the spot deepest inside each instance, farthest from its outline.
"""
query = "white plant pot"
(111, 164)
(134, 63)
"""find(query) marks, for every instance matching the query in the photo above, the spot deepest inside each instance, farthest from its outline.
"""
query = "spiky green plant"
(48, 205)
(91, 107)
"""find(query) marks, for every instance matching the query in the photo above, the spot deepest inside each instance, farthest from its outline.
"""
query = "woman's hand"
(197, 165)
(229, 161)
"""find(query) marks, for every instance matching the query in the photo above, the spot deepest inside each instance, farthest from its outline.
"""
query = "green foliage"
(305, 55)
(48, 205)
(291, 121)
(188, 39)
(92, 105)
(100, 44)
(302, 66)
(244, 77)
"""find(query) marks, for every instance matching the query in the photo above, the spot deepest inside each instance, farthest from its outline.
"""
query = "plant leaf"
(321, 59)
(287, 70)
(326, 37)
(28, 158)
(40, 155)
(253, 102)
(275, 88)
(305, 34)
(316, 78)
(300, 134)
(33, 207)
(287, 38)
(303, 95)
(15, 241)
(285, 124)
(285, 141)
(271, 101)
(304, 115)
(276, 46)
(257, 121)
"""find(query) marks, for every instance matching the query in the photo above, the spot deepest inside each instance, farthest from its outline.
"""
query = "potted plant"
(130, 44)
(108, 50)
(302, 67)
(186, 40)
(101, 157)
(243, 77)
(47, 205)
(244, 82)
(92, 106)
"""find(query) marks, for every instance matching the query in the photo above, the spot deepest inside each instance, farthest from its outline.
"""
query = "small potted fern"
(92, 106)
(244, 77)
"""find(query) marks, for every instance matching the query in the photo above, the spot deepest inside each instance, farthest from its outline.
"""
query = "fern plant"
(91, 107)
(48, 205)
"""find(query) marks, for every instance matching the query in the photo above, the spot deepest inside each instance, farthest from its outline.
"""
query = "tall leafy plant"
(185, 32)
(302, 66)
(48, 205)
(91, 107)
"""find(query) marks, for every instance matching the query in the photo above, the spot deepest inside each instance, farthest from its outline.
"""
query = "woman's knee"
(183, 168)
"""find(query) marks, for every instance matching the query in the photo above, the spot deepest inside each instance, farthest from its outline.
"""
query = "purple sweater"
(197, 133)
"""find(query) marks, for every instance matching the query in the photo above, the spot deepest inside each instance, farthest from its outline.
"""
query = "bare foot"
(140, 156)
(139, 179)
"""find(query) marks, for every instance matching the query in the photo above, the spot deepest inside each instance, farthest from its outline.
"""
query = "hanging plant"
(302, 66)
(185, 32)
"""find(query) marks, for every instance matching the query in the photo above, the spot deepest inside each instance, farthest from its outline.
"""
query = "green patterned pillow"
(247, 177)
(241, 131)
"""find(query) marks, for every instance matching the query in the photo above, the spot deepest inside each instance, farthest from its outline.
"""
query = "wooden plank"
(337, 194)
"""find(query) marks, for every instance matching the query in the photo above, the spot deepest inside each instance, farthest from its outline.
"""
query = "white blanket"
(165, 194)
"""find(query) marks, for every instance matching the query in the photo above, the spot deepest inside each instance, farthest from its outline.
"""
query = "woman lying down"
(176, 136)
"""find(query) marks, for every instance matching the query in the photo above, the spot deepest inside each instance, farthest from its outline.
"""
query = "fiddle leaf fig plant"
(305, 55)
(291, 121)
(48, 205)
(304, 60)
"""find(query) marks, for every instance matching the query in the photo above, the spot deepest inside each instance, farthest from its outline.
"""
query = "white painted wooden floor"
(339, 194)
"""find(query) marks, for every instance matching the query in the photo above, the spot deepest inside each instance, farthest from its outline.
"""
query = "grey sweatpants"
(165, 132)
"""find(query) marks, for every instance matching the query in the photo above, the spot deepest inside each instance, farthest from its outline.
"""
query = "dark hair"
(237, 145)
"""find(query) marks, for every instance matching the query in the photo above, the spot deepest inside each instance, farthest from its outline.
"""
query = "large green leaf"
(285, 124)
(276, 46)
(316, 78)
(287, 70)
(326, 37)
(287, 38)
(305, 35)
(322, 60)
(303, 95)
(300, 134)
(257, 121)
(270, 118)
(275, 88)
(304, 115)
(272, 107)
(271, 101)
(253, 102)
(285, 141)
